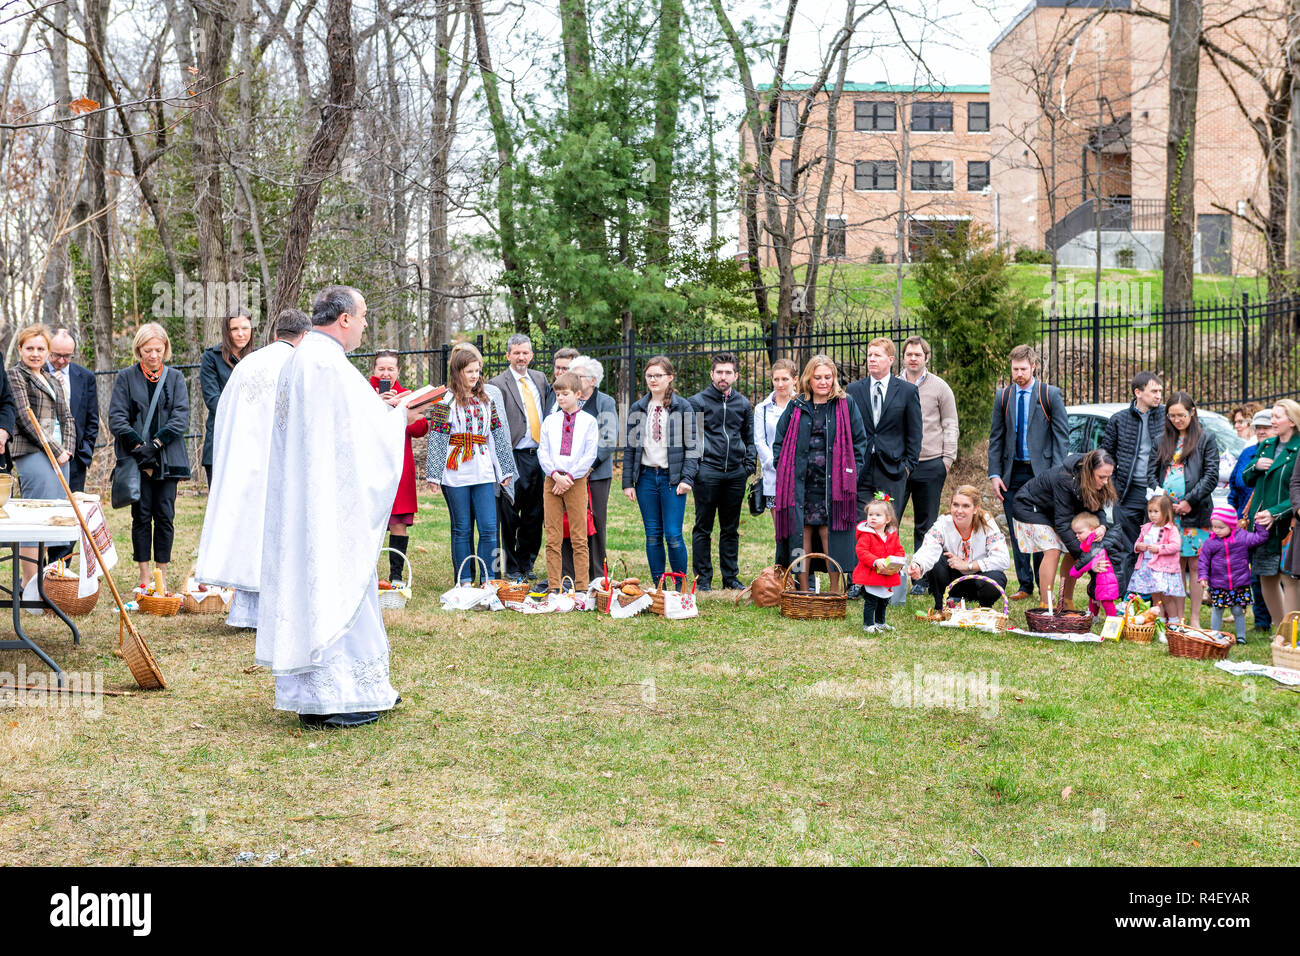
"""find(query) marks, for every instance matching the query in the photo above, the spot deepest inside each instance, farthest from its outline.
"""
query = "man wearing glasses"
(83, 400)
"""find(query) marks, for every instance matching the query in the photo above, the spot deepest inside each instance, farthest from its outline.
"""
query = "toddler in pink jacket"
(1105, 586)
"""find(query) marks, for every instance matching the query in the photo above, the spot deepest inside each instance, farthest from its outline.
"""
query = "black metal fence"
(1223, 353)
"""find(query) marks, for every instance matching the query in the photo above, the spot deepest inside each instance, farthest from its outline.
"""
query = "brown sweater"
(938, 420)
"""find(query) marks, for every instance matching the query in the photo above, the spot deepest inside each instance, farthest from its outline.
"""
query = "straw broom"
(136, 653)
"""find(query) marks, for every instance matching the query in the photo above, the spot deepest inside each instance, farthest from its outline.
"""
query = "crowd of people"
(524, 463)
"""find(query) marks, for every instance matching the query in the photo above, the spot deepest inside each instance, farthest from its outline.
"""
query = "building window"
(977, 176)
(932, 175)
(875, 174)
(977, 117)
(787, 176)
(789, 118)
(932, 117)
(924, 232)
(836, 232)
(877, 116)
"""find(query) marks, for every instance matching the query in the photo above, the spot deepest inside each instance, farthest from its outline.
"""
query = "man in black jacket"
(727, 430)
(82, 392)
(891, 415)
(1131, 438)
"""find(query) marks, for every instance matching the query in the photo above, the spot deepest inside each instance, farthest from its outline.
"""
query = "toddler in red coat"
(877, 544)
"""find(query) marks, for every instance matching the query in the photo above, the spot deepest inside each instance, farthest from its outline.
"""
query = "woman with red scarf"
(819, 450)
(383, 379)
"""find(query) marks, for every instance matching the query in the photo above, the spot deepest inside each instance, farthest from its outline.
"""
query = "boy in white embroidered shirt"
(566, 453)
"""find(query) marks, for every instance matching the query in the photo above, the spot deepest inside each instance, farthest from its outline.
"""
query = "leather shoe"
(854, 592)
(919, 588)
(703, 587)
(1021, 596)
(733, 585)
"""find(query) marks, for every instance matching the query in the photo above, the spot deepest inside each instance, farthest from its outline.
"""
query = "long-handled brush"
(134, 650)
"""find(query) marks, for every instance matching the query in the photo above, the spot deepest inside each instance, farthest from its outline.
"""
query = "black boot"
(396, 565)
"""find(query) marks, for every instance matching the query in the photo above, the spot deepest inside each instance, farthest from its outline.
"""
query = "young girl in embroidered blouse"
(1105, 586)
(1158, 546)
(1223, 566)
(877, 542)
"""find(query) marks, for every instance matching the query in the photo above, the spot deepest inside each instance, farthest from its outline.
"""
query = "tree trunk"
(97, 239)
(336, 119)
(216, 33)
(1180, 181)
(59, 195)
(1293, 86)
(513, 276)
(667, 93)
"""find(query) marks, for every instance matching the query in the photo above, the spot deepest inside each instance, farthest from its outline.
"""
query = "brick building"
(1076, 109)
(915, 153)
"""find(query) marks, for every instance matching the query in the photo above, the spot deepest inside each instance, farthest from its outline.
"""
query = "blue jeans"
(472, 506)
(662, 512)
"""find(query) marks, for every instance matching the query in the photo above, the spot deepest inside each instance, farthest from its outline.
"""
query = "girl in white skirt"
(1157, 571)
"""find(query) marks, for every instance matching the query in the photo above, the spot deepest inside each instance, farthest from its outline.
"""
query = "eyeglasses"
(62, 356)
(654, 376)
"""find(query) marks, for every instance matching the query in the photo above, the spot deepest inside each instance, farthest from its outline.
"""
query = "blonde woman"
(155, 440)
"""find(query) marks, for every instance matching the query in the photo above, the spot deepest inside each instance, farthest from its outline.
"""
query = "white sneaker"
(870, 629)
(885, 627)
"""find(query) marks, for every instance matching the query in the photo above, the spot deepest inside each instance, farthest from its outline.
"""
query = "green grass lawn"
(738, 738)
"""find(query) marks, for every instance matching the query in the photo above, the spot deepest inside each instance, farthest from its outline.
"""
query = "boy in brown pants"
(566, 453)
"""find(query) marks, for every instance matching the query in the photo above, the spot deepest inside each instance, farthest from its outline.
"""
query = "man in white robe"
(230, 546)
(336, 459)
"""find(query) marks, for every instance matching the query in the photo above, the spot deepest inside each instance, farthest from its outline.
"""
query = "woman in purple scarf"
(817, 472)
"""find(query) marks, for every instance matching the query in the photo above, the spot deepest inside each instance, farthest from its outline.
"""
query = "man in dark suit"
(891, 415)
(1030, 435)
(83, 400)
(527, 398)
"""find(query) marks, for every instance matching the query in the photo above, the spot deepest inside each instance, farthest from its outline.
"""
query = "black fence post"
(1245, 347)
(629, 366)
(1096, 351)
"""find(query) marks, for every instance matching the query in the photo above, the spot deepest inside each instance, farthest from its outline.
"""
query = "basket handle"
(573, 585)
(471, 557)
(671, 574)
(410, 571)
(785, 585)
(1006, 604)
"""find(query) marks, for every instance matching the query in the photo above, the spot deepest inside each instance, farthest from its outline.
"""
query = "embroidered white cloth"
(335, 461)
(90, 571)
(230, 545)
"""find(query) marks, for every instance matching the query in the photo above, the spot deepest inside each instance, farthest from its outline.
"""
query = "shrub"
(877, 256)
(1027, 256)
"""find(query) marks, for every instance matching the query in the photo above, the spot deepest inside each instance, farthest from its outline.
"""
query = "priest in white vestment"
(230, 546)
(336, 459)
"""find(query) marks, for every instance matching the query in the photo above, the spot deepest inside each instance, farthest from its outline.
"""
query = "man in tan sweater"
(938, 439)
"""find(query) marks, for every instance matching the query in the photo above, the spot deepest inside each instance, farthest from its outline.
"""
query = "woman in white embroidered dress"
(469, 458)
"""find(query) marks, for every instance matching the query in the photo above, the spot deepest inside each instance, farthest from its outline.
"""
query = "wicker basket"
(1138, 633)
(657, 593)
(210, 603)
(1062, 622)
(1001, 621)
(136, 653)
(509, 591)
(161, 606)
(1199, 645)
(394, 599)
(63, 592)
(1284, 655)
(813, 605)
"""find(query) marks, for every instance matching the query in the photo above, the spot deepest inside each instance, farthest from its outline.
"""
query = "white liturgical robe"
(332, 475)
(230, 547)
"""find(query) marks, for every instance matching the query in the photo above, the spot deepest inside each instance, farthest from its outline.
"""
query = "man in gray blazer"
(527, 397)
(1029, 436)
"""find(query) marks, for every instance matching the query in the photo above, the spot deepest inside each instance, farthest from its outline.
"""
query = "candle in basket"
(1049, 603)
(1294, 622)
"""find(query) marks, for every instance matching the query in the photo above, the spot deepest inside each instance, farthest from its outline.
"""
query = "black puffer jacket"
(1053, 498)
(1120, 439)
(727, 432)
(1201, 475)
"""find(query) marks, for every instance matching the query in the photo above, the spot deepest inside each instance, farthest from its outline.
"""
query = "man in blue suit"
(1030, 435)
(83, 400)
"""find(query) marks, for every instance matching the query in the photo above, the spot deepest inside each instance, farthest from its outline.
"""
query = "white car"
(1088, 422)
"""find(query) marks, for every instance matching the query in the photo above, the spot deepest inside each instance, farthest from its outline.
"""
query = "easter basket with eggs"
(989, 618)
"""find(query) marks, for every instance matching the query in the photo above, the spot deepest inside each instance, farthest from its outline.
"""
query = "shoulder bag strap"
(153, 403)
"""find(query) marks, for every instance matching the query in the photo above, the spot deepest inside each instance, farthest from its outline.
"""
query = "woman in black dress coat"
(215, 367)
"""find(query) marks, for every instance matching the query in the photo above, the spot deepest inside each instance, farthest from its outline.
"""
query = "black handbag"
(757, 500)
(126, 470)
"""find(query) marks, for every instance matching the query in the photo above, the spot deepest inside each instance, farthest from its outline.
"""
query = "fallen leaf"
(422, 550)
(1065, 794)
(822, 803)
(81, 105)
(1020, 700)
(1196, 843)
(197, 726)
(193, 69)
(1180, 796)
(450, 667)
(254, 669)
(719, 842)
(13, 724)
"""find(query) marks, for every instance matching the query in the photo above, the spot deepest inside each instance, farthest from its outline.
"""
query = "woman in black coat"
(807, 511)
(157, 445)
(1187, 468)
(1046, 507)
(215, 367)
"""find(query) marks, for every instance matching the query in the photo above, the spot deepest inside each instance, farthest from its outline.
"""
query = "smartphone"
(385, 385)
